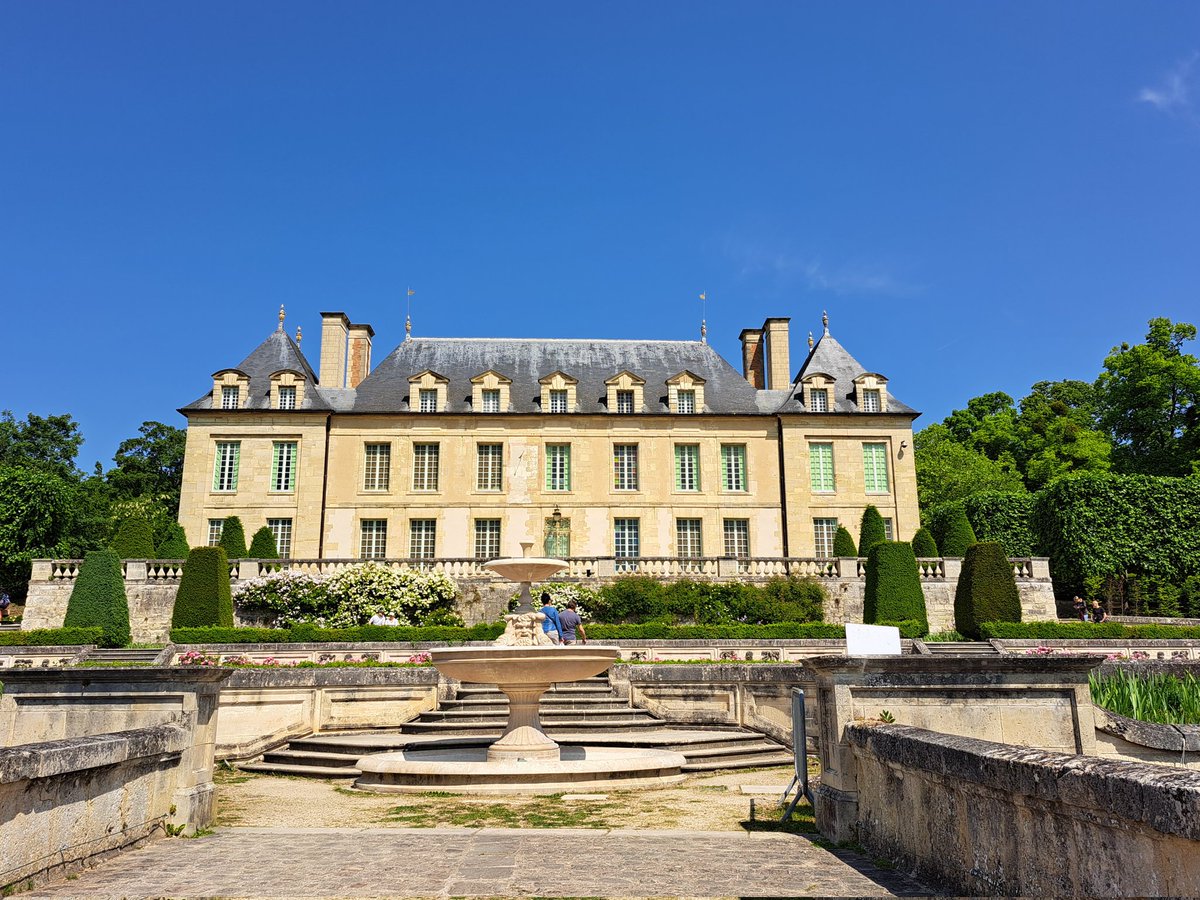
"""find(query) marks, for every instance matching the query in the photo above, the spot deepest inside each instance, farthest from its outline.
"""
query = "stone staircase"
(146, 657)
(582, 712)
(961, 648)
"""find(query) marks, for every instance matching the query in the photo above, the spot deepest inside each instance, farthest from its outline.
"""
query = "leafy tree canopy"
(50, 443)
(150, 465)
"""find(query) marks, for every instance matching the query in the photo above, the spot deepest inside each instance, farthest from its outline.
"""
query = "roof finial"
(810, 341)
(825, 320)
(408, 316)
(704, 317)
(299, 336)
(281, 317)
(703, 331)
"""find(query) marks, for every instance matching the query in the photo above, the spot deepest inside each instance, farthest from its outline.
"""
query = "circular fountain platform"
(468, 769)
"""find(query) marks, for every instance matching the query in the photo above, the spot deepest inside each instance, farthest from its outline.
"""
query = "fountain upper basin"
(526, 568)
(524, 665)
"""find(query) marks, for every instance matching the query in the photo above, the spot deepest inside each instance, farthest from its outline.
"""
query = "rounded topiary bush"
(204, 598)
(174, 545)
(98, 599)
(987, 590)
(843, 543)
(959, 535)
(871, 531)
(262, 545)
(893, 589)
(923, 544)
(233, 538)
(134, 539)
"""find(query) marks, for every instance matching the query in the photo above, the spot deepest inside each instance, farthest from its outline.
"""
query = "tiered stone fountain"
(523, 663)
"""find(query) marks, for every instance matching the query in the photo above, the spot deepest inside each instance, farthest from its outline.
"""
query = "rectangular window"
(824, 531)
(687, 402)
(428, 398)
(737, 538)
(820, 467)
(491, 401)
(557, 537)
(215, 527)
(875, 473)
(230, 395)
(283, 469)
(489, 469)
(818, 399)
(733, 467)
(887, 529)
(377, 471)
(282, 530)
(871, 401)
(558, 467)
(624, 401)
(487, 539)
(626, 543)
(422, 538)
(287, 397)
(374, 539)
(688, 539)
(687, 467)
(425, 467)
(558, 401)
(625, 467)
(225, 469)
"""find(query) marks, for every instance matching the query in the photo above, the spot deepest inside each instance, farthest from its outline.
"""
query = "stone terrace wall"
(987, 818)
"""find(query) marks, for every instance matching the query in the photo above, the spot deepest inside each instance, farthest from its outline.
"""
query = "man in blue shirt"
(569, 622)
(551, 624)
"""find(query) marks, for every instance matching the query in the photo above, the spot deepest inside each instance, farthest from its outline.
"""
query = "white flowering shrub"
(560, 592)
(292, 597)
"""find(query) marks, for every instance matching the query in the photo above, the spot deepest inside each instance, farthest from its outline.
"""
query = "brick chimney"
(778, 361)
(752, 357)
(334, 328)
(360, 354)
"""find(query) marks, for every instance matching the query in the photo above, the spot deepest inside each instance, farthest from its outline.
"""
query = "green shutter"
(678, 468)
(820, 464)
(275, 466)
(217, 468)
(875, 468)
(237, 458)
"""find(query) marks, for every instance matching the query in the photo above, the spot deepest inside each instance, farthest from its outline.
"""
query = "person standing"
(571, 622)
(1098, 613)
(5, 603)
(1080, 608)
(550, 624)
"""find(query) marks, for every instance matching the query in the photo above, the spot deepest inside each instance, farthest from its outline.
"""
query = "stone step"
(301, 770)
(754, 760)
(326, 759)
(600, 701)
(728, 748)
(575, 725)
(472, 690)
(101, 655)
(961, 648)
(546, 715)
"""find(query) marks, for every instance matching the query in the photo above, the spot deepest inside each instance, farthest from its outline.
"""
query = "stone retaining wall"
(989, 818)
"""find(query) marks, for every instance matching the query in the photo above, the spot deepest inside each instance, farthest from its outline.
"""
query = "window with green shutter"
(225, 468)
(687, 467)
(875, 473)
(283, 469)
(820, 467)
(558, 467)
(733, 467)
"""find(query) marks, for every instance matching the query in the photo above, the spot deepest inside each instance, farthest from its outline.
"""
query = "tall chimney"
(778, 362)
(752, 357)
(334, 326)
(360, 354)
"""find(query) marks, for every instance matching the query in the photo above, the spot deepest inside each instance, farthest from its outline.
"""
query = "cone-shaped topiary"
(924, 546)
(134, 539)
(987, 590)
(843, 543)
(262, 545)
(959, 535)
(871, 531)
(98, 598)
(233, 538)
(893, 589)
(204, 598)
(175, 545)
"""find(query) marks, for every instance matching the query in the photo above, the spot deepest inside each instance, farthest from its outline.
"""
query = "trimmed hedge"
(923, 544)
(843, 543)
(174, 545)
(262, 545)
(204, 598)
(654, 631)
(893, 590)
(310, 634)
(134, 540)
(233, 538)
(98, 598)
(1087, 631)
(871, 531)
(642, 600)
(51, 637)
(959, 535)
(1003, 518)
(986, 591)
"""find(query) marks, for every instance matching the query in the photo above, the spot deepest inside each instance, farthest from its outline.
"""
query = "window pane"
(871, 401)
(225, 469)
(819, 399)
(557, 542)
(491, 401)
(626, 543)
(687, 538)
(374, 539)
(283, 472)
(558, 467)
(428, 398)
(287, 397)
(887, 529)
(282, 530)
(487, 538)
(377, 471)
(624, 401)
(625, 467)
(823, 534)
(687, 401)
(230, 397)
(422, 538)
(687, 467)
(425, 467)
(490, 467)
(733, 467)
(820, 464)
(558, 401)
(737, 539)
(875, 474)
(215, 527)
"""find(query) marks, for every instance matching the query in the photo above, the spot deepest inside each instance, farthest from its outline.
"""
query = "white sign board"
(872, 640)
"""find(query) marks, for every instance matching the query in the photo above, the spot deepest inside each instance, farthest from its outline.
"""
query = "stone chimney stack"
(752, 357)
(778, 359)
(334, 328)
(360, 354)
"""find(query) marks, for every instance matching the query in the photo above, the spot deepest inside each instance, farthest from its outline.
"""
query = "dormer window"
(625, 401)
(870, 392)
(287, 397)
(427, 392)
(491, 400)
(871, 402)
(558, 392)
(625, 393)
(230, 397)
(685, 393)
(428, 400)
(489, 392)
(819, 399)
(687, 402)
(558, 400)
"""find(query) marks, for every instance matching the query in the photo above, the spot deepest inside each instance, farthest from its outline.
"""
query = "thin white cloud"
(1174, 94)
(790, 268)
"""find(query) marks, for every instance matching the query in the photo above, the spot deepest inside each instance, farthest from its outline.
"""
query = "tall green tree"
(948, 470)
(50, 443)
(150, 465)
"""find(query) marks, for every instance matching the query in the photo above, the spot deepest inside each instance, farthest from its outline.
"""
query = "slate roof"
(276, 353)
(830, 358)
(526, 361)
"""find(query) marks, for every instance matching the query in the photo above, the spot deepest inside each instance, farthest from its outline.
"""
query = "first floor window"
(737, 538)
(687, 402)
(626, 543)
(377, 473)
(687, 467)
(425, 467)
(215, 527)
(283, 471)
(558, 400)
(487, 538)
(374, 539)
(287, 396)
(491, 401)
(733, 467)
(875, 473)
(871, 401)
(225, 468)
(490, 467)
(824, 531)
(820, 467)
(558, 467)
(230, 397)
(282, 531)
(428, 399)
(557, 537)
(688, 543)
(625, 467)
(422, 538)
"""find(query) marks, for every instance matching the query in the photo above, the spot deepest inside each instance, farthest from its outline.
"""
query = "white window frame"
(281, 530)
(427, 399)
(872, 400)
(685, 401)
(733, 469)
(225, 467)
(821, 476)
(231, 396)
(888, 530)
(625, 467)
(285, 459)
(689, 538)
(489, 467)
(372, 539)
(819, 399)
(490, 400)
(426, 465)
(558, 400)
(824, 531)
(422, 539)
(627, 543)
(625, 401)
(377, 466)
(215, 527)
(687, 468)
(287, 396)
(558, 468)
(487, 539)
(736, 535)
(875, 467)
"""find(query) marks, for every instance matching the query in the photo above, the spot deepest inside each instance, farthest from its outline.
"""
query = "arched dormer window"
(626, 393)
(490, 392)
(427, 392)
(231, 389)
(870, 392)
(287, 389)
(558, 392)
(817, 392)
(685, 393)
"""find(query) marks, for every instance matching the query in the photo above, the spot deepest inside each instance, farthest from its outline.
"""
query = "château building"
(466, 447)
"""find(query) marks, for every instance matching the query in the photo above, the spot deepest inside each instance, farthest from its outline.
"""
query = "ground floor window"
(282, 530)
(422, 543)
(374, 539)
(626, 543)
(487, 539)
(688, 543)
(824, 531)
(215, 527)
(557, 537)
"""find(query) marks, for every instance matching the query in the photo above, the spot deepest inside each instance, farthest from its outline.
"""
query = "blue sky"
(983, 195)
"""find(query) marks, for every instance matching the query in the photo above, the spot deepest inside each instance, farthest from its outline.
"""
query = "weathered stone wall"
(987, 818)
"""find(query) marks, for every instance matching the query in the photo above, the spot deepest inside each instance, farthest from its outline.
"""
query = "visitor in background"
(1080, 608)
(571, 622)
(5, 603)
(1098, 613)
(391, 619)
(378, 619)
(551, 624)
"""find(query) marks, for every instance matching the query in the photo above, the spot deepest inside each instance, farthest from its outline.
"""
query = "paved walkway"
(498, 862)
